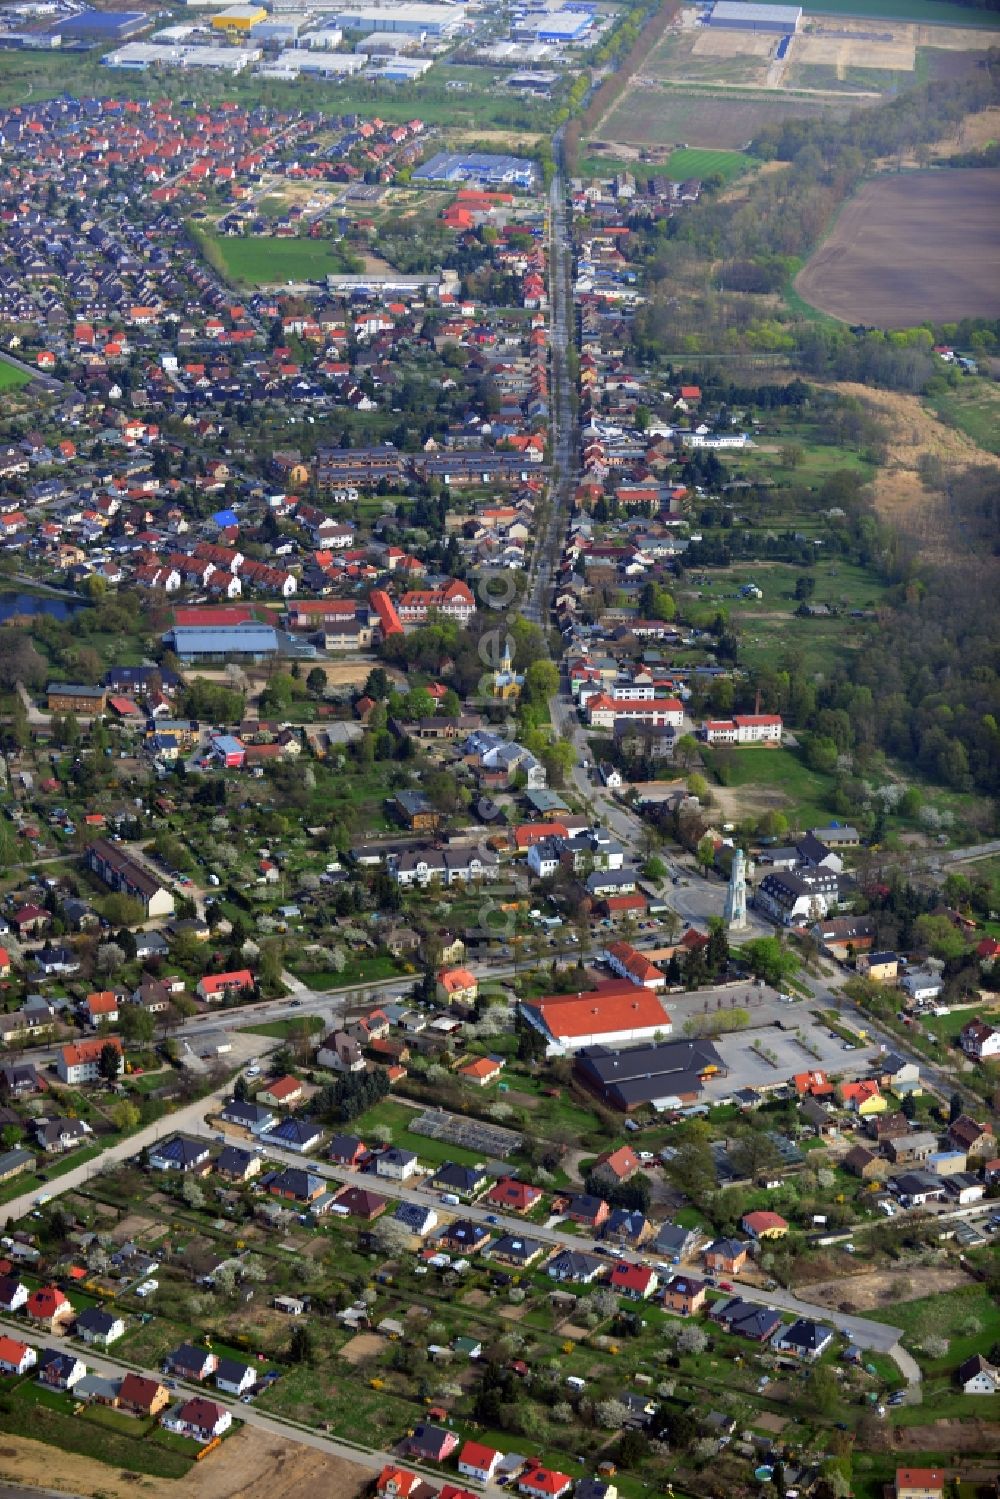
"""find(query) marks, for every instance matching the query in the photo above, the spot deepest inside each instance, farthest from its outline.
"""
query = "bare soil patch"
(251, 1465)
(882, 263)
(572, 1331)
(513, 1313)
(135, 1226)
(950, 1436)
(881, 1288)
(476, 1298)
(364, 1345)
(769, 1421)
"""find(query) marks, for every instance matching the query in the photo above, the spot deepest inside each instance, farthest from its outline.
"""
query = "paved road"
(189, 1118)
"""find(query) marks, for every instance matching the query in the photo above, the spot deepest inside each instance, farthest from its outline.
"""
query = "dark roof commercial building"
(664, 1075)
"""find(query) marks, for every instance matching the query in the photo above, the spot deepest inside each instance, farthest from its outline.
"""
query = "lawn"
(257, 260)
(396, 1116)
(968, 1317)
(29, 1416)
(10, 377)
(696, 161)
(359, 971)
(781, 770)
(282, 1029)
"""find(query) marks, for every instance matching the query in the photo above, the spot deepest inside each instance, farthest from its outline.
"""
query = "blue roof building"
(201, 643)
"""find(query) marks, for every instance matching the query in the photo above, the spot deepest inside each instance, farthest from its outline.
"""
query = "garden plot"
(472, 1134)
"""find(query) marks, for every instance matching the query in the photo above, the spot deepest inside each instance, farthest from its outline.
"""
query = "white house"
(478, 1461)
(921, 986)
(398, 1165)
(198, 1418)
(745, 728)
(16, 1357)
(978, 1376)
(234, 1377)
(980, 1041)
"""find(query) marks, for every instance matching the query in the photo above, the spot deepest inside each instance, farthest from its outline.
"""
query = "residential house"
(55, 1135)
(919, 1483)
(189, 1362)
(862, 1098)
(980, 1040)
(465, 1236)
(341, 1053)
(49, 1308)
(81, 1062)
(462, 1181)
(804, 1339)
(398, 1483)
(296, 1133)
(281, 1093)
(140, 1396)
(16, 1357)
(746, 1319)
(198, 1418)
(684, 1295)
(236, 1164)
(974, 1138)
(396, 1164)
(95, 1325)
(295, 1185)
(234, 1377)
(179, 1153)
(478, 1461)
(347, 1150)
(456, 986)
(361, 1203)
(574, 1265)
(215, 987)
(977, 1376)
(638, 1282)
(13, 1294)
(248, 1116)
(762, 1225)
(481, 1071)
(414, 1216)
(864, 1163)
(59, 1370)
(915, 1188)
(430, 1443)
(518, 1252)
(513, 1196)
(911, 1149)
(544, 1483)
(587, 1210)
(726, 1255)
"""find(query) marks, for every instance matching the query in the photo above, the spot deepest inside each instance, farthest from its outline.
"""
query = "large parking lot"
(747, 1069)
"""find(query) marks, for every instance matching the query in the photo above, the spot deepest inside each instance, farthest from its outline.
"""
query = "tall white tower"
(735, 914)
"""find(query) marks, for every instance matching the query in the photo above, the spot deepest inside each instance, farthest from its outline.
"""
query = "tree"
(109, 1062)
(110, 958)
(770, 960)
(611, 1415)
(691, 1339)
(192, 1194)
(705, 852)
(316, 681)
(753, 1152)
(124, 1115)
(391, 1236)
(654, 869)
(300, 1345)
(136, 1024)
(954, 1107)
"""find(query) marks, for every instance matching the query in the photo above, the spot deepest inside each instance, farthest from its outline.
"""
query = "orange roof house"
(457, 985)
(483, 1071)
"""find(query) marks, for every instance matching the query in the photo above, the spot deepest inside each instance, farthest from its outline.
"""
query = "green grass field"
(11, 378)
(694, 161)
(258, 260)
(974, 408)
(968, 1317)
(780, 770)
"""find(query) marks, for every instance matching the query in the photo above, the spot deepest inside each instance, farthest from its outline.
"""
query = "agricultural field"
(653, 115)
(858, 273)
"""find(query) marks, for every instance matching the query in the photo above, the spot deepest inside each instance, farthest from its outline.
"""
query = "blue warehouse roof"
(215, 639)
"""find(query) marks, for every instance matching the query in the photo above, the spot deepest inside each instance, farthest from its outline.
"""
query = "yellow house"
(862, 1098)
(457, 986)
(239, 18)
